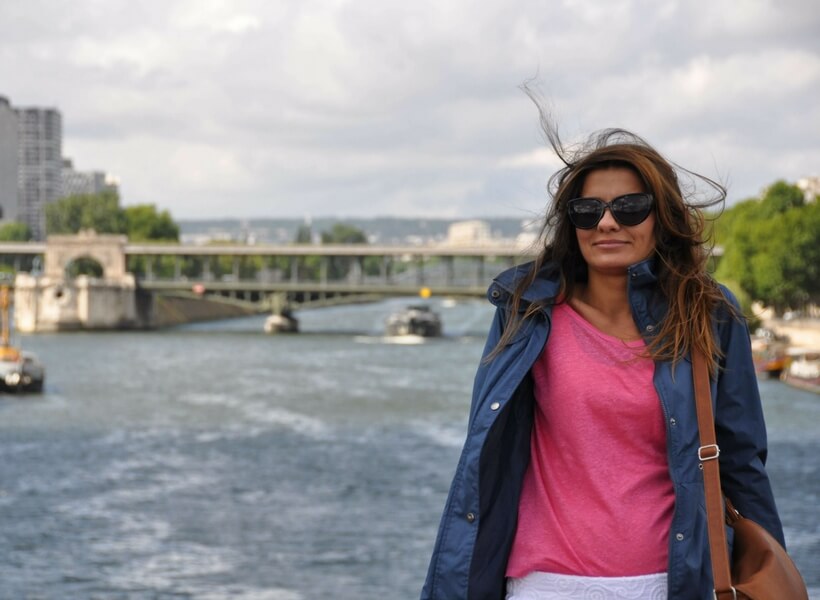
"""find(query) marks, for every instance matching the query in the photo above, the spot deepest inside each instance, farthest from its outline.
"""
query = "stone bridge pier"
(54, 300)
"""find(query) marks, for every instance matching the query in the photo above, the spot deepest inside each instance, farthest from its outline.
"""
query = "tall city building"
(39, 157)
(8, 161)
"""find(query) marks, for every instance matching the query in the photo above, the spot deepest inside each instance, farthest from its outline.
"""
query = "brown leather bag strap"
(708, 454)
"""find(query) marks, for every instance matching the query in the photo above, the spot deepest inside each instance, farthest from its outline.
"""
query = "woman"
(580, 475)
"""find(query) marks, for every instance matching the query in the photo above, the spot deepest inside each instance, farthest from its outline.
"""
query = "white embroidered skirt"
(551, 586)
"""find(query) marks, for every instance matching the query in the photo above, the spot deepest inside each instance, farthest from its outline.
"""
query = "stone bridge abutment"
(55, 301)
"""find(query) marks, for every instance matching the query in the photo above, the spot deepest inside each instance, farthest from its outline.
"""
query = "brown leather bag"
(761, 569)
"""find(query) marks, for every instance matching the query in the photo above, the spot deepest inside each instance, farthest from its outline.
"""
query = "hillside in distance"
(379, 230)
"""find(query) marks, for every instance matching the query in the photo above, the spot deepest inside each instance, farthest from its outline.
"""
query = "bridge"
(127, 278)
(272, 274)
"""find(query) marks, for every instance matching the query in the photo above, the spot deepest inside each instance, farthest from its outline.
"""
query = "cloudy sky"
(264, 108)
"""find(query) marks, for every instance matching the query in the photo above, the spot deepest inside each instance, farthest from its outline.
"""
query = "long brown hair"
(681, 250)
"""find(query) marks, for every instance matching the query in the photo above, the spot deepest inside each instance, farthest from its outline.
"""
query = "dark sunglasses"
(628, 210)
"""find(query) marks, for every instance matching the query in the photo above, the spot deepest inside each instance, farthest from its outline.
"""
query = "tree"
(341, 233)
(143, 222)
(304, 235)
(772, 247)
(15, 232)
(100, 212)
(780, 197)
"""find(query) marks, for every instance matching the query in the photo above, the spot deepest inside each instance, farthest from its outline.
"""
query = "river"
(214, 462)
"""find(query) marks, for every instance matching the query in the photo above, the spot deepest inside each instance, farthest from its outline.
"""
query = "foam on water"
(259, 412)
(441, 434)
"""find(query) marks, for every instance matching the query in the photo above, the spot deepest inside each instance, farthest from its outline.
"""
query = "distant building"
(8, 161)
(74, 183)
(469, 233)
(39, 162)
(810, 187)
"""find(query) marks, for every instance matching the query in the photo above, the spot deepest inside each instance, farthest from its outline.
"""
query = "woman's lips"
(609, 244)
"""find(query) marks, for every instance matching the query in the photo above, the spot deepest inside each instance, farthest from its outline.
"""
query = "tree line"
(102, 213)
(145, 223)
(771, 248)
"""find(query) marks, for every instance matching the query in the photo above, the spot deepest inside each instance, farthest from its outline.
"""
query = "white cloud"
(541, 158)
(252, 107)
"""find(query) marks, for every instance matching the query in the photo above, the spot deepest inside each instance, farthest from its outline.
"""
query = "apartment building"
(8, 162)
(75, 182)
(39, 159)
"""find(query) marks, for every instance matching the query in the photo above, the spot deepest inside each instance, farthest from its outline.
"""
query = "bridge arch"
(108, 251)
(84, 265)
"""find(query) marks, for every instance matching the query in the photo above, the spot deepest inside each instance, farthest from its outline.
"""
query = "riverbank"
(802, 333)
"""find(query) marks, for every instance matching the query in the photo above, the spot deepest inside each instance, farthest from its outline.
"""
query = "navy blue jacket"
(479, 521)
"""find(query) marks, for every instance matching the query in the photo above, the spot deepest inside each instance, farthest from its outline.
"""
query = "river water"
(212, 461)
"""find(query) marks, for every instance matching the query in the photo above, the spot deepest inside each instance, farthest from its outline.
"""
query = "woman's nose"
(607, 221)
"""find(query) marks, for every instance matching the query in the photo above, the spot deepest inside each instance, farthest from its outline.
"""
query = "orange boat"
(20, 371)
(769, 352)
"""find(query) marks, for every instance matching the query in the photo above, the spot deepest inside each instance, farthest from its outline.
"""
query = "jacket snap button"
(679, 537)
(495, 294)
(495, 406)
(470, 517)
(650, 328)
(673, 422)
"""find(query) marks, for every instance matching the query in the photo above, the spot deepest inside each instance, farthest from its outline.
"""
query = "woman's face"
(609, 247)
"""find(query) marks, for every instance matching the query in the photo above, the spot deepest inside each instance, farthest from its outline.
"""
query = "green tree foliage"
(304, 235)
(341, 233)
(84, 266)
(12, 232)
(335, 268)
(780, 197)
(143, 222)
(339, 266)
(100, 212)
(772, 247)
(15, 232)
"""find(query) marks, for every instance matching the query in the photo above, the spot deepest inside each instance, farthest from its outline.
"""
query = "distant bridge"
(303, 273)
(299, 273)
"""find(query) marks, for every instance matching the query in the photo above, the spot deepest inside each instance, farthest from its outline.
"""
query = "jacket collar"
(548, 282)
(643, 274)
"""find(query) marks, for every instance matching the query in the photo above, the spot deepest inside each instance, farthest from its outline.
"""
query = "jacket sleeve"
(740, 426)
(448, 572)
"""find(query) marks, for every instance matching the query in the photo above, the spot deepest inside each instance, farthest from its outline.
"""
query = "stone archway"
(108, 250)
(51, 301)
(84, 265)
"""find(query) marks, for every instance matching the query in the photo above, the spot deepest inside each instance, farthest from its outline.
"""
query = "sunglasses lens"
(585, 212)
(628, 210)
(631, 209)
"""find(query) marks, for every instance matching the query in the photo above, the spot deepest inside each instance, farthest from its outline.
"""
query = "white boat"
(283, 322)
(416, 320)
(20, 371)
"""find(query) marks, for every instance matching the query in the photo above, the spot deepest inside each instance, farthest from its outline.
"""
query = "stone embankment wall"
(802, 333)
(170, 310)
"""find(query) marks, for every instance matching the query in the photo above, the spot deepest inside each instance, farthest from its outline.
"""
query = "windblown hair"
(681, 249)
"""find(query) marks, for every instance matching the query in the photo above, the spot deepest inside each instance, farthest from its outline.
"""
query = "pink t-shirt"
(597, 498)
